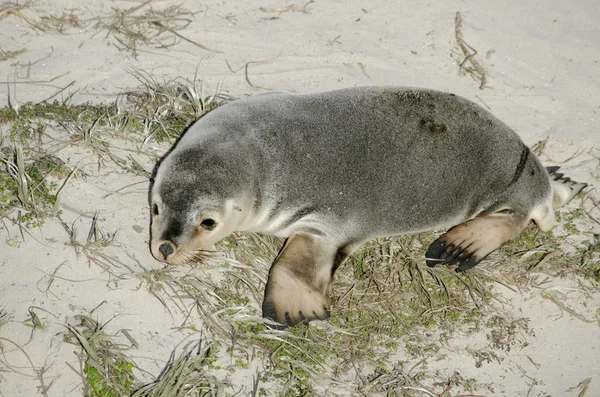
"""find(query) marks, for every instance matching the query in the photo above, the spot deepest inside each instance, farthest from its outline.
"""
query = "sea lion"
(329, 171)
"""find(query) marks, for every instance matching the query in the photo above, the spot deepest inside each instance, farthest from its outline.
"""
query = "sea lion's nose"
(166, 249)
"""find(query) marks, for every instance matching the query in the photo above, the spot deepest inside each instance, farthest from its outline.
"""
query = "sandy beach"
(536, 67)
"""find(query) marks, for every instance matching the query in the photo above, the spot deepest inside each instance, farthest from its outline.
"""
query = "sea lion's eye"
(208, 224)
(155, 209)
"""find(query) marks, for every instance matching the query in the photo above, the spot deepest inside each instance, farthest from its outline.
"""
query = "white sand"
(543, 79)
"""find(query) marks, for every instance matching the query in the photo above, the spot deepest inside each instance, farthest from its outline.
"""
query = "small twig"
(293, 8)
(168, 29)
(59, 91)
(38, 82)
(596, 205)
(363, 69)
(94, 309)
(245, 67)
(246, 71)
(6, 364)
(583, 385)
(468, 55)
(547, 294)
(418, 389)
(485, 104)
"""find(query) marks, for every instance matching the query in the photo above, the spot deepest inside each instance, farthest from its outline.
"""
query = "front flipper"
(298, 281)
(469, 243)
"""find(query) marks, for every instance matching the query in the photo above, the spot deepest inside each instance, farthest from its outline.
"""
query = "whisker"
(196, 256)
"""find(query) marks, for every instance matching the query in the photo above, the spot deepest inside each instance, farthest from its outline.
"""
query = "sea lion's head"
(190, 209)
(181, 235)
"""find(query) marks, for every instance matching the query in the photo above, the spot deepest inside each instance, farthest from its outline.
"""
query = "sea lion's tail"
(563, 188)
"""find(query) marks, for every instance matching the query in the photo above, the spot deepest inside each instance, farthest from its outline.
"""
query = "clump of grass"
(167, 108)
(504, 334)
(555, 250)
(106, 372)
(17, 10)
(5, 317)
(58, 111)
(160, 282)
(61, 23)
(132, 30)
(384, 300)
(27, 120)
(531, 245)
(29, 175)
(46, 23)
(92, 248)
(23, 185)
(6, 55)
(589, 258)
(157, 109)
(185, 375)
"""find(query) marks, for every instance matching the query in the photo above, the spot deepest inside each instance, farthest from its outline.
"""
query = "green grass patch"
(31, 178)
(106, 370)
(102, 382)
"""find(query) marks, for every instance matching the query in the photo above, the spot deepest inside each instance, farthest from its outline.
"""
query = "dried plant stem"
(466, 50)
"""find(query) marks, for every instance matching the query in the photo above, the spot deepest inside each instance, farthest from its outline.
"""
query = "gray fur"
(392, 160)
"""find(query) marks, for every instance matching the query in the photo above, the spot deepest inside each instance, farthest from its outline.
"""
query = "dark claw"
(459, 255)
(325, 316)
(450, 254)
(454, 254)
(270, 313)
(470, 263)
(268, 309)
(440, 252)
(434, 251)
(448, 251)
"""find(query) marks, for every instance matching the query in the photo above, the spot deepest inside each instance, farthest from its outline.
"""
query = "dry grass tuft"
(5, 316)
(132, 30)
(166, 108)
(17, 10)
(22, 185)
(184, 375)
(105, 369)
(383, 299)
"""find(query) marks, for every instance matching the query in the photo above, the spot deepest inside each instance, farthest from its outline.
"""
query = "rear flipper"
(469, 243)
(563, 188)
